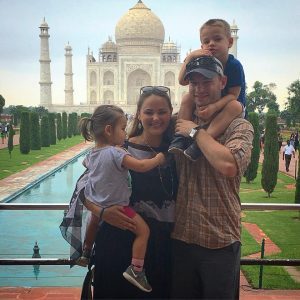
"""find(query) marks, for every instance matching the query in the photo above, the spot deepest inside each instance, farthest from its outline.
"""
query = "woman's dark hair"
(136, 129)
(93, 128)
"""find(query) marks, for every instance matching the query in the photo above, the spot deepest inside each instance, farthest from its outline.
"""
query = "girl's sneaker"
(138, 279)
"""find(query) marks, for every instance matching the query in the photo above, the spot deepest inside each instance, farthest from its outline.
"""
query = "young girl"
(106, 182)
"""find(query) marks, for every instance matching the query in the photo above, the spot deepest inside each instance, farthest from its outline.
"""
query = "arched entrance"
(135, 81)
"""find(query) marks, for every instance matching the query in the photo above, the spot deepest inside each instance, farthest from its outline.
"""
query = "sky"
(268, 44)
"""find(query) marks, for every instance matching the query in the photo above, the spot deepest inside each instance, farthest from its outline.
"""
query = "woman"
(153, 196)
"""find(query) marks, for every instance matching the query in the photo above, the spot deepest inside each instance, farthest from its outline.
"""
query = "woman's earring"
(140, 126)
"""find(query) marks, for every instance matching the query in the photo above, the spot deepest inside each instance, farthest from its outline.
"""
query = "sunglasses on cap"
(158, 88)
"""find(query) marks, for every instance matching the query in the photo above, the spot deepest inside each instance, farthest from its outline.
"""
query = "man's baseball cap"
(208, 66)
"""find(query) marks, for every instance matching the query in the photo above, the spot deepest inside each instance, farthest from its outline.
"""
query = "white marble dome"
(139, 26)
(109, 45)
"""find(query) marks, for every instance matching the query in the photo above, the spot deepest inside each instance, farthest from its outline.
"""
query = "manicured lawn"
(19, 162)
(253, 193)
(249, 244)
(282, 227)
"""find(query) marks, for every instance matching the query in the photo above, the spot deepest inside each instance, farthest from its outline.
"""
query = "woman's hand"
(114, 215)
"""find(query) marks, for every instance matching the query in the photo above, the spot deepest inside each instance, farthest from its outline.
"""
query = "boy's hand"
(198, 53)
(184, 127)
(206, 112)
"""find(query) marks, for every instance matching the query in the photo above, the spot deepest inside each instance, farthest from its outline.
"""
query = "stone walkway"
(293, 165)
(258, 235)
(16, 141)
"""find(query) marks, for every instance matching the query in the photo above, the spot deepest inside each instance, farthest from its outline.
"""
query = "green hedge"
(270, 164)
(25, 133)
(52, 129)
(35, 139)
(45, 131)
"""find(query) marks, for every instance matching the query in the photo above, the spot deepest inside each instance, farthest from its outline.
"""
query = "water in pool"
(20, 230)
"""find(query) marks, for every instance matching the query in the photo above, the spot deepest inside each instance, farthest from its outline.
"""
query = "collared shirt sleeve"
(239, 137)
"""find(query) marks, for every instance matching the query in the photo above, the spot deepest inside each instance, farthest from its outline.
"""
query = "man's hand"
(184, 127)
(114, 215)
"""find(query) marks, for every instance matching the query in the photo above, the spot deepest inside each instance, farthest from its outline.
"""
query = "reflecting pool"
(21, 229)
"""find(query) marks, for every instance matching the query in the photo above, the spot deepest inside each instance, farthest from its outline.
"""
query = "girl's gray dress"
(105, 183)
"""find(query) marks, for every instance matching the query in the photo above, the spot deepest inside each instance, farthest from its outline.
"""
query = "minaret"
(234, 30)
(68, 76)
(45, 75)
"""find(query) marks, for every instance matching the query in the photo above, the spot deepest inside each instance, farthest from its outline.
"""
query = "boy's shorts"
(129, 212)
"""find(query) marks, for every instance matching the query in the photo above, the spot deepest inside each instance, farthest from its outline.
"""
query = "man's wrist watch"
(194, 131)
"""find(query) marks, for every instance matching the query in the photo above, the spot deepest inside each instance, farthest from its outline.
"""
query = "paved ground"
(293, 165)
(17, 181)
(16, 141)
(58, 293)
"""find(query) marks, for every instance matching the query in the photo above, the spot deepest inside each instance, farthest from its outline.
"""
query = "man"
(206, 246)
(288, 150)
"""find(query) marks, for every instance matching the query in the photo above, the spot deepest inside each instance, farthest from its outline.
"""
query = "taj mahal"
(139, 56)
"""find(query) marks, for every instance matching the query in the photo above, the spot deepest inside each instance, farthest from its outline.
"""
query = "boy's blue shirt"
(235, 77)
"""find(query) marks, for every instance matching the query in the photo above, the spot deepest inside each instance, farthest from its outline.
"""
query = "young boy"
(215, 36)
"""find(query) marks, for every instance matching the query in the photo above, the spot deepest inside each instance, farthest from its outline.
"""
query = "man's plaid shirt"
(208, 205)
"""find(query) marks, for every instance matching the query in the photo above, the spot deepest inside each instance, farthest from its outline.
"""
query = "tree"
(297, 192)
(58, 126)
(70, 125)
(287, 116)
(16, 111)
(25, 133)
(271, 159)
(35, 137)
(75, 124)
(10, 143)
(2, 103)
(64, 125)
(273, 108)
(260, 97)
(293, 99)
(52, 128)
(45, 131)
(251, 171)
(40, 110)
(85, 115)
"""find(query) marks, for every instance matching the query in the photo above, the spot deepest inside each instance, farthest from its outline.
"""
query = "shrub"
(45, 131)
(35, 138)
(297, 192)
(75, 124)
(64, 125)
(25, 133)
(251, 171)
(58, 126)
(271, 159)
(70, 125)
(10, 143)
(52, 129)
